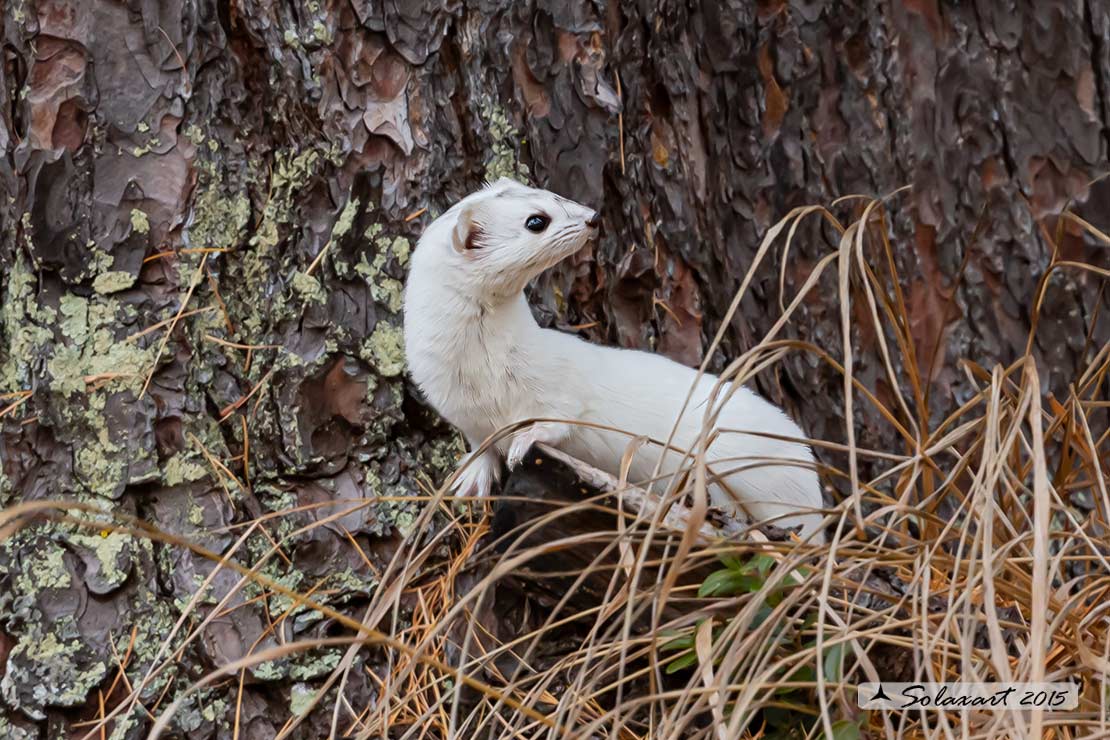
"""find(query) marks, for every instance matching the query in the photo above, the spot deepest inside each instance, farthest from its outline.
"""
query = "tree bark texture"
(208, 210)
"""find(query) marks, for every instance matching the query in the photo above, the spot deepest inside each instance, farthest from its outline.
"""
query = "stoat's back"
(643, 393)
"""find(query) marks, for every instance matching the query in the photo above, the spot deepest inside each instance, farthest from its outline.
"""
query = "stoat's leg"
(480, 473)
(548, 432)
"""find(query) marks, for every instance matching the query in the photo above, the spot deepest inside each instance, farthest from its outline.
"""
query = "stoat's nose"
(594, 220)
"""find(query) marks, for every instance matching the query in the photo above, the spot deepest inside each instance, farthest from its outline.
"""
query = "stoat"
(478, 356)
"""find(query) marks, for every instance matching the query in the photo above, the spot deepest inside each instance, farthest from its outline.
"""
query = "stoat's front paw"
(522, 442)
(478, 475)
(551, 433)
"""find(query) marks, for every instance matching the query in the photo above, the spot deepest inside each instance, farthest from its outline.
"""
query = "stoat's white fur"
(481, 360)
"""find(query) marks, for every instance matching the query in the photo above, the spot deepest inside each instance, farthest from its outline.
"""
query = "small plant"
(741, 576)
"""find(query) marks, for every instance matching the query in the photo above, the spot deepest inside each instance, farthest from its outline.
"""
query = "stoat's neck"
(457, 326)
(507, 319)
(470, 350)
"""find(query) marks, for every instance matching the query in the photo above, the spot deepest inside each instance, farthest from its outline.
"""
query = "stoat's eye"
(536, 223)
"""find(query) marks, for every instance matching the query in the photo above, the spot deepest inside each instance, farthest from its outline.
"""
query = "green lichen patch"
(397, 514)
(194, 133)
(445, 453)
(347, 583)
(65, 368)
(154, 623)
(276, 498)
(309, 288)
(15, 732)
(385, 348)
(100, 262)
(108, 451)
(110, 548)
(5, 488)
(394, 512)
(217, 221)
(183, 468)
(401, 249)
(315, 664)
(342, 227)
(43, 567)
(90, 348)
(301, 696)
(140, 223)
(321, 33)
(99, 465)
(251, 275)
(45, 669)
(125, 726)
(113, 281)
(196, 514)
(141, 150)
(300, 667)
(291, 171)
(215, 710)
(385, 290)
(75, 318)
(386, 399)
(44, 563)
(503, 160)
(268, 670)
(203, 709)
(25, 325)
(346, 219)
(280, 603)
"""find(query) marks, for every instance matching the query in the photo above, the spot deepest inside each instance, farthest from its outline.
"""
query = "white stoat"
(481, 360)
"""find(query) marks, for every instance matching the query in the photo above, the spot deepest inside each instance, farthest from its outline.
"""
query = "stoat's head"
(500, 237)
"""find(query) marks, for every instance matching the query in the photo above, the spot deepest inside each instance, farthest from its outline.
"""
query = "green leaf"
(800, 573)
(760, 564)
(686, 642)
(804, 673)
(845, 729)
(761, 614)
(833, 656)
(731, 561)
(715, 582)
(683, 661)
(727, 583)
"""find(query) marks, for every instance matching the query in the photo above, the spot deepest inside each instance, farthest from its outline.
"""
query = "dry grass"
(991, 572)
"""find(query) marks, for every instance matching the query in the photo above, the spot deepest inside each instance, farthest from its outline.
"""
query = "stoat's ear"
(467, 234)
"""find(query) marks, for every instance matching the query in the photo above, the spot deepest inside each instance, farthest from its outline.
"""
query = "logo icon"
(880, 694)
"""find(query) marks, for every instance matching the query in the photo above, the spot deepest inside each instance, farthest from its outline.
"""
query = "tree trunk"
(208, 211)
